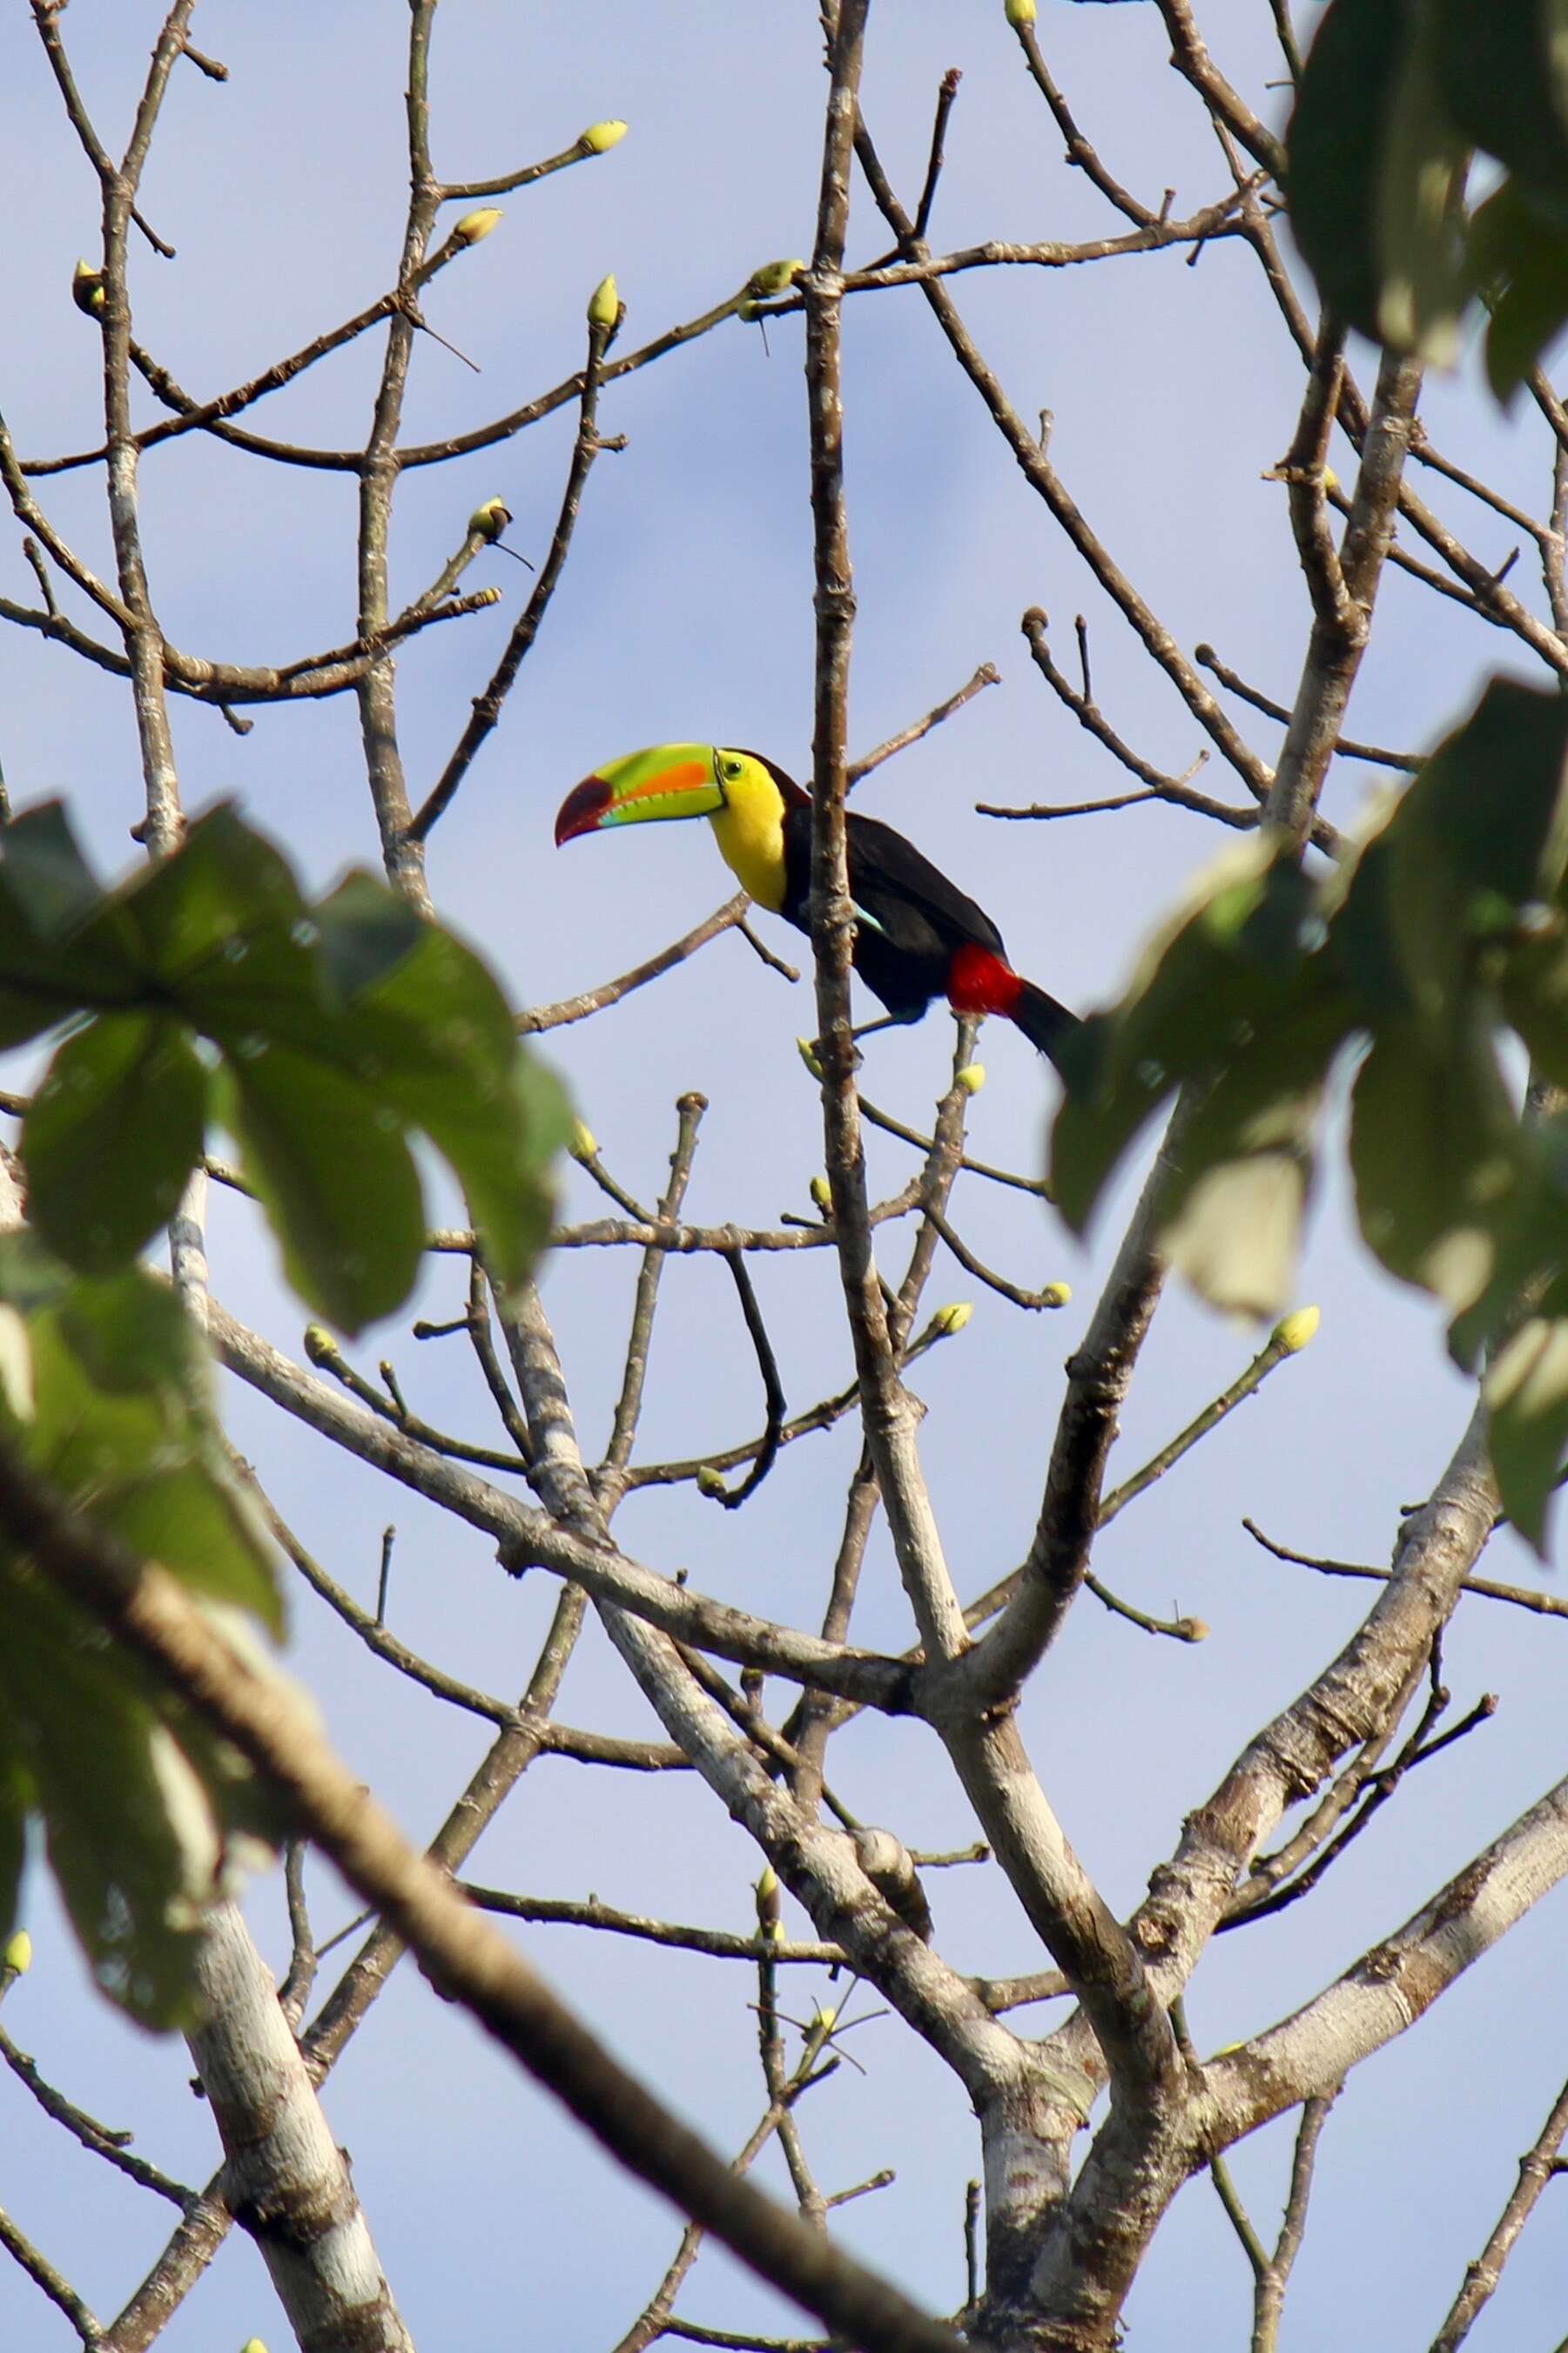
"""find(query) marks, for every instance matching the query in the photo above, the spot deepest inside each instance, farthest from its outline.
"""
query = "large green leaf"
(1230, 1217)
(1526, 1393)
(432, 1034)
(132, 1836)
(336, 1177)
(1503, 67)
(1375, 168)
(1519, 260)
(1204, 983)
(111, 1135)
(1480, 836)
(122, 1426)
(1438, 1161)
(16, 1804)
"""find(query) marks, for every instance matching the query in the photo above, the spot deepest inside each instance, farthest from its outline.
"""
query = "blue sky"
(685, 612)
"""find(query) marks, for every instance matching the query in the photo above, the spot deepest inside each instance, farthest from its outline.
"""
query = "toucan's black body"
(914, 923)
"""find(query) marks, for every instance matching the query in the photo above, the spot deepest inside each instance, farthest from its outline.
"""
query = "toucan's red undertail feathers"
(979, 981)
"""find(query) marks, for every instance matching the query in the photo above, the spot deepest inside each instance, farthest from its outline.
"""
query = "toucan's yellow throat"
(736, 791)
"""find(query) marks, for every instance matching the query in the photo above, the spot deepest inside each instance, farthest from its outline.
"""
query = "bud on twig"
(584, 1144)
(807, 1053)
(600, 136)
(605, 304)
(1020, 11)
(1293, 1332)
(972, 1078)
(488, 521)
(822, 1194)
(477, 225)
(953, 1316)
(17, 1954)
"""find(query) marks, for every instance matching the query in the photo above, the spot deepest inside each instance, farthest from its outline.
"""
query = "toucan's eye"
(730, 768)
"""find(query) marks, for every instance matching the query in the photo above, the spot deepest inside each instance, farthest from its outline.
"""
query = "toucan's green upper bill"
(916, 936)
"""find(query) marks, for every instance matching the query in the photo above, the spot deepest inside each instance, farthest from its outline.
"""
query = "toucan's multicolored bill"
(668, 780)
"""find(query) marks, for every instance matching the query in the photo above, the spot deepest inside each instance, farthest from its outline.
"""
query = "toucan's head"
(669, 780)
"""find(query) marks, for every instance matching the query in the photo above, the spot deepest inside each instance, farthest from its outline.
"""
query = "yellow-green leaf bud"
(822, 1194)
(709, 1482)
(253, 2344)
(767, 1884)
(774, 278)
(1055, 1295)
(17, 1953)
(824, 2019)
(605, 303)
(320, 1346)
(1331, 480)
(774, 1932)
(601, 136)
(953, 1316)
(585, 1143)
(972, 1078)
(488, 521)
(807, 1052)
(1194, 1630)
(1293, 1332)
(87, 287)
(477, 225)
(1020, 11)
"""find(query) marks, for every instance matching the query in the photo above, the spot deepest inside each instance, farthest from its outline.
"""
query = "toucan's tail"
(1044, 1022)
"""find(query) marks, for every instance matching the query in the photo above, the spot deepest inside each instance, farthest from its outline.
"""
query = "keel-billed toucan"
(916, 936)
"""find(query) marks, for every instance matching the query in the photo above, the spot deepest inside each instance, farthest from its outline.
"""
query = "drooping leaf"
(131, 1836)
(1231, 1213)
(1418, 221)
(337, 1180)
(432, 1034)
(111, 1135)
(1232, 949)
(16, 1804)
(1519, 261)
(1482, 835)
(1526, 1393)
(1375, 169)
(1503, 67)
(122, 1427)
(1435, 1154)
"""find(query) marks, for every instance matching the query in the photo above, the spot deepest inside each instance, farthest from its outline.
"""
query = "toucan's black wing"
(911, 917)
(907, 898)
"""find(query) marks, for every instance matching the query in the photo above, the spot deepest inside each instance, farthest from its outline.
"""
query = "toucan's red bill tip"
(582, 807)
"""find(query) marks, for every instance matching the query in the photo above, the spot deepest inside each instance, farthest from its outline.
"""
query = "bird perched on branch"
(916, 937)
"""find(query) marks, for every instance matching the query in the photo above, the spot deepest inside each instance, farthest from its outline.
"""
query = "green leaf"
(123, 1427)
(1375, 172)
(1526, 1394)
(45, 872)
(111, 1135)
(1503, 67)
(1435, 1154)
(336, 1178)
(433, 1035)
(198, 913)
(1210, 975)
(1518, 259)
(1231, 1214)
(1476, 841)
(15, 1799)
(131, 1835)
(1418, 221)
